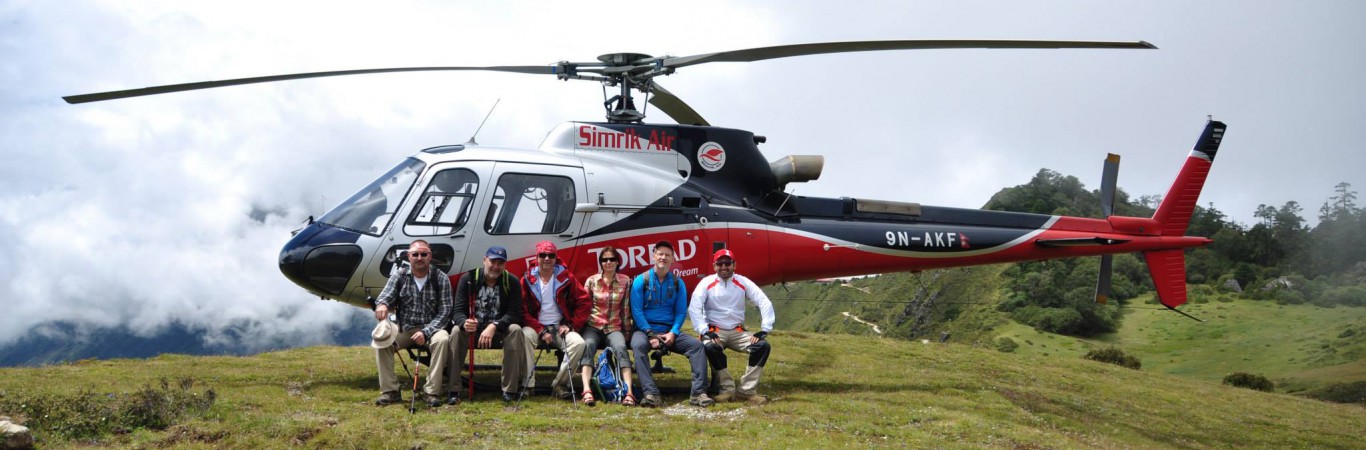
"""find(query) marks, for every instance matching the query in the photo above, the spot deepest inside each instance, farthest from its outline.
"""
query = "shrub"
(1288, 297)
(1342, 295)
(88, 414)
(1354, 392)
(1249, 381)
(1006, 345)
(1114, 355)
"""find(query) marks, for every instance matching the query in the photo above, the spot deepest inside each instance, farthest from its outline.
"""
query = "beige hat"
(384, 335)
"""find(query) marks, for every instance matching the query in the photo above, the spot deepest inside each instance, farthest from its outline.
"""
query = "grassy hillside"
(904, 305)
(827, 390)
(1298, 346)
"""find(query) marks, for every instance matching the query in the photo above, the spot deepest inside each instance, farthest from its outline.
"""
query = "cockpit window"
(370, 210)
(530, 204)
(445, 205)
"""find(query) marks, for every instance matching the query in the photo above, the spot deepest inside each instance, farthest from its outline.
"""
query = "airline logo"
(629, 139)
(711, 156)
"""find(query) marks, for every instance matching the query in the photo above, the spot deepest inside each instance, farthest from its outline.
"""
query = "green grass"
(827, 390)
(1297, 346)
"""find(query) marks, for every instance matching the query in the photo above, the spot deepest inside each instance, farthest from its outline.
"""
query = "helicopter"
(629, 184)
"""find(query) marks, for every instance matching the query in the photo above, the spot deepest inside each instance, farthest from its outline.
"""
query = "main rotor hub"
(623, 59)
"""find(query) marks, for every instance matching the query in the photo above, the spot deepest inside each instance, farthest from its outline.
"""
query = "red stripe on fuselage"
(795, 257)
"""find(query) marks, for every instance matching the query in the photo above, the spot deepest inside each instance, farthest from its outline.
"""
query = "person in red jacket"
(556, 305)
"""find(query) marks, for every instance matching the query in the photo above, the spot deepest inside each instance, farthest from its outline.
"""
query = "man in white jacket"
(717, 310)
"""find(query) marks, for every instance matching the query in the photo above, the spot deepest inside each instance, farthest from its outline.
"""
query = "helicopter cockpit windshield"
(370, 210)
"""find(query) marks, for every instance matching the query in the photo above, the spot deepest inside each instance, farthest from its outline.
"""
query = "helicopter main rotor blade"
(673, 106)
(784, 51)
(113, 95)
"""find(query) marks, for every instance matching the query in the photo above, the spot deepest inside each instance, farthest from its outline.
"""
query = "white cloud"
(138, 212)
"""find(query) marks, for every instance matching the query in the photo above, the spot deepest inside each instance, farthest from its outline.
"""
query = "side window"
(530, 204)
(445, 205)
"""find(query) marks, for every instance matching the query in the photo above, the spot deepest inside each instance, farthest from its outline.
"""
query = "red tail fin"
(1175, 211)
(1168, 269)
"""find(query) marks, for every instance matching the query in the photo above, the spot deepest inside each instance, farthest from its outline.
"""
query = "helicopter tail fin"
(1174, 213)
(1168, 269)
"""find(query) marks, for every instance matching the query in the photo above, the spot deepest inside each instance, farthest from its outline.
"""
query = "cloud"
(171, 209)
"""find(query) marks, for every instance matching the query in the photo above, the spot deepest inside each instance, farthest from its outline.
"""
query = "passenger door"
(529, 203)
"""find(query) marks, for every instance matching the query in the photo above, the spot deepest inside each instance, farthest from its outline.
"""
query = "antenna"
(481, 124)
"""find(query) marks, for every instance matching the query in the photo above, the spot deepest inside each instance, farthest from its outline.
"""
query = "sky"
(168, 209)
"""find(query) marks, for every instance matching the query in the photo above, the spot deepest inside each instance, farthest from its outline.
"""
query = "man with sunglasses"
(556, 305)
(421, 294)
(659, 303)
(717, 311)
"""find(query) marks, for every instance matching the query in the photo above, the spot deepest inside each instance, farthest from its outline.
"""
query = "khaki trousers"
(738, 341)
(438, 346)
(571, 344)
(515, 356)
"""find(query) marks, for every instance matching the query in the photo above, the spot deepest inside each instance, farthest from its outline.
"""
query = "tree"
(1338, 240)
(1206, 221)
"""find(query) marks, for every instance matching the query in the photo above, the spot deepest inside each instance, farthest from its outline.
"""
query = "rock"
(1281, 282)
(1232, 285)
(14, 436)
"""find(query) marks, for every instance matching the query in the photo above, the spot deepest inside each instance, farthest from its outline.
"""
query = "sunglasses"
(725, 263)
(607, 260)
(419, 254)
(546, 255)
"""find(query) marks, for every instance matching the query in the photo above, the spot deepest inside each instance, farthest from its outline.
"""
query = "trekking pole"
(564, 368)
(471, 346)
(394, 346)
(530, 373)
(417, 365)
(573, 396)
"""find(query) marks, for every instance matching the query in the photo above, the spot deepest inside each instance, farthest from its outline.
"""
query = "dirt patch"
(693, 412)
(181, 434)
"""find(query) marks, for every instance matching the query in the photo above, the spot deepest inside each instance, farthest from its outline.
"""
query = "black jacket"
(509, 301)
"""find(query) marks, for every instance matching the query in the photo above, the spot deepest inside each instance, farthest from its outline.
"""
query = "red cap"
(722, 253)
(545, 247)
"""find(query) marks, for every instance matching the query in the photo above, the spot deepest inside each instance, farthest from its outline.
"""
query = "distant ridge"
(39, 349)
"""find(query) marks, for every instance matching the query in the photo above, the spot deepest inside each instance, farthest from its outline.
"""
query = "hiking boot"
(453, 399)
(562, 394)
(510, 397)
(752, 399)
(387, 398)
(432, 401)
(724, 397)
(701, 400)
(650, 401)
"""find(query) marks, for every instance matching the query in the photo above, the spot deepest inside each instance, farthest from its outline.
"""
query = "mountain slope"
(1301, 347)
(61, 341)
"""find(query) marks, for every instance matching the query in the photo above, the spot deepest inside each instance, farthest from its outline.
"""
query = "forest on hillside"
(1279, 258)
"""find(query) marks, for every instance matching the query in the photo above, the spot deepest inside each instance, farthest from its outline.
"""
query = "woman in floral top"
(609, 320)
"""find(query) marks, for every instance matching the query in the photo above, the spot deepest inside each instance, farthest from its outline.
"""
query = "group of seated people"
(549, 309)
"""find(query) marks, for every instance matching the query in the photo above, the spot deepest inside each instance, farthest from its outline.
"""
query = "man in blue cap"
(488, 308)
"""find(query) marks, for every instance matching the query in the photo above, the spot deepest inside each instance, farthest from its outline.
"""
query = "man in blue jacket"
(659, 303)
